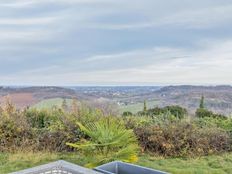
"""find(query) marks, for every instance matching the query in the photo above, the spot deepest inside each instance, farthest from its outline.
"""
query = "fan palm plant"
(108, 140)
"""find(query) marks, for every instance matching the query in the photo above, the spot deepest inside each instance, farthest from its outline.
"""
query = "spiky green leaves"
(109, 140)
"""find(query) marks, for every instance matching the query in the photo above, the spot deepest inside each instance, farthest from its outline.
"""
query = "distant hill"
(217, 98)
(29, 96)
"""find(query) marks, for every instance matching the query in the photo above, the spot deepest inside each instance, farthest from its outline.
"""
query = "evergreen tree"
(145, 106)
(202, 102)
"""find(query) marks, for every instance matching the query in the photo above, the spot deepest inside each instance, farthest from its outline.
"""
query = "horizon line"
(115, 85)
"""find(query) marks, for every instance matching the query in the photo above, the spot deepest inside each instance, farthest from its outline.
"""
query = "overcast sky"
(115, 42)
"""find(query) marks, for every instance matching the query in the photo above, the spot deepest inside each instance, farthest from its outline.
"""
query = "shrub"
(36, 130)
(108, 140)
(41, 119)
(133, 122)
(15, 132)
(53, 141)
(175, 110)
(183, 139)
(61, 128)
(155, 111)
(202, 113)
(220, 122)
(127, 113)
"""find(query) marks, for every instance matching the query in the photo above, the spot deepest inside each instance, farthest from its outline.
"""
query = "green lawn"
(217, 164)
(49, 103)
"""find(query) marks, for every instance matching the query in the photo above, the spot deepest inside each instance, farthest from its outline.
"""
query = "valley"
(125, 98)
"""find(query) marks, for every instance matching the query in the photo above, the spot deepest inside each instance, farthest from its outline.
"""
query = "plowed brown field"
(19, 99)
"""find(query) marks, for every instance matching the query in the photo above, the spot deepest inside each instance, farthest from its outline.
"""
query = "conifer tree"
(202, 102)
(145, 106)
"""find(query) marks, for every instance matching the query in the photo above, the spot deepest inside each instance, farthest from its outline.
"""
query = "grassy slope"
(49, 103)
(134, 108)
(206, 165)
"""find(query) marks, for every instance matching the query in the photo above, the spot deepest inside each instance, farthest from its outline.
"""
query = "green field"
(49, 103)
(205, 165)
(134, 108)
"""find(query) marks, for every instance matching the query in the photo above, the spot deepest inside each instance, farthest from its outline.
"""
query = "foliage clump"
(38, 130)
(175, 110)
(15, 132)
(183, 139)
(108, 140)
(166, 131)
(202, 111)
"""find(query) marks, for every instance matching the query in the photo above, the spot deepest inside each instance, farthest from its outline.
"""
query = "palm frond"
(109, 141)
